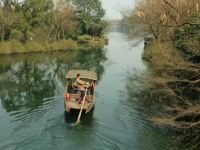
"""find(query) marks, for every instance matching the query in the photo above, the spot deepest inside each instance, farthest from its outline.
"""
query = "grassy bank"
(83, 42)
(13, 46)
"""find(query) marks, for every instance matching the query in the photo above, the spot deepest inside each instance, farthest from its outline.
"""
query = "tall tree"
(64, 20)
(38, 12)
(90, 14)
(5, 23)
(162, 16)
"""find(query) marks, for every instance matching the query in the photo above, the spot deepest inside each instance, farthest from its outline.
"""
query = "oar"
(79, 116)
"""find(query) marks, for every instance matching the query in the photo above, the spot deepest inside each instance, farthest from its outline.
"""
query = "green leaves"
(38, 12)
(50, 20)
(16, 35)
(187, 38)
(90, 14)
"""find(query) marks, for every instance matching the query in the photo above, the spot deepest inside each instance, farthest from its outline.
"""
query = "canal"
(32, 107)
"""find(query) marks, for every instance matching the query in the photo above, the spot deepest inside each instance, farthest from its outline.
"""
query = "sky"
(113, 7)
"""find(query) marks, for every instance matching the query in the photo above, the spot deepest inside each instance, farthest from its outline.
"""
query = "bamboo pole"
(79, 116)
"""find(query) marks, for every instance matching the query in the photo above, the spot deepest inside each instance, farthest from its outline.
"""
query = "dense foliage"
(90, 15)
(48, 20)
(187, 39)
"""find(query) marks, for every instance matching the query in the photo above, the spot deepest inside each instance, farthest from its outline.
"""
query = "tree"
(38, 12)
(64, 21)
(160, 17)
(8, 4)
(90, 14)
(5, 24)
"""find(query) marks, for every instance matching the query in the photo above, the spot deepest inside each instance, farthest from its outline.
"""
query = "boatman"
(81, 86)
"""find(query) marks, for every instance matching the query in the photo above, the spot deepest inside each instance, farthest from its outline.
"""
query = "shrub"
(187, 38)
(84, 39)
(17, 46)
(5, 48)
(16, 35)
(11, 46)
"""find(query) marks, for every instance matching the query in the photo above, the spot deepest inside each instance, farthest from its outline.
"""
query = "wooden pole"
(79, 116)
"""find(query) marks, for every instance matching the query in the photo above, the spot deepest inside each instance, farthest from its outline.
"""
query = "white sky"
(113, 7)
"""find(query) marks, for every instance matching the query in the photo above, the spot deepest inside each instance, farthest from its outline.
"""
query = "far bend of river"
(32, 108)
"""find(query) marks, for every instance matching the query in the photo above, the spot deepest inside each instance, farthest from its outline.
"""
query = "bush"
(161, 55)
(17, 35)
(11, 46)
(187, 38)
(18, 46)
(84, 39)
(5, 48)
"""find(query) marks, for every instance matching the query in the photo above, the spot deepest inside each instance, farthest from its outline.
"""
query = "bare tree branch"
(178, 12)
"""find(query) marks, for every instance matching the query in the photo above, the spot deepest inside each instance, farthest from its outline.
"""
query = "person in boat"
(81, 85)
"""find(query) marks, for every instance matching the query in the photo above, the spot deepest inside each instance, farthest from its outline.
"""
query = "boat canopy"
(84, 74)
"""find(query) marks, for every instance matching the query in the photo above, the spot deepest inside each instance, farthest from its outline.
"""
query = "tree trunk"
(49, 33)
(2, 34)
(55, 37)
(63, 31)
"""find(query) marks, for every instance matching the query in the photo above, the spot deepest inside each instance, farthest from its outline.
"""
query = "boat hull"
(73, 103)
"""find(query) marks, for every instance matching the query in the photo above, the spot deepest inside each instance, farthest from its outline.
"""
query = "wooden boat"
(73, 94)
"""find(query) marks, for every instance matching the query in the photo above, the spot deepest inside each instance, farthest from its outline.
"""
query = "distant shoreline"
(15, 47)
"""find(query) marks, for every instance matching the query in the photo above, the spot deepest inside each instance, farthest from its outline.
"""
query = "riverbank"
(83, 42)
(174, 89)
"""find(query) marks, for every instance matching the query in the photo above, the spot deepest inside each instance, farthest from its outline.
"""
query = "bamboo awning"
(84, 74)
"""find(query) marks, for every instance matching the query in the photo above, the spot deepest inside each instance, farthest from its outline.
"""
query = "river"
(32, 107)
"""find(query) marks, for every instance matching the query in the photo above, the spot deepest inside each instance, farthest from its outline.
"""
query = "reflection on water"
(27, 79)
(31, 95)
(138, 99)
